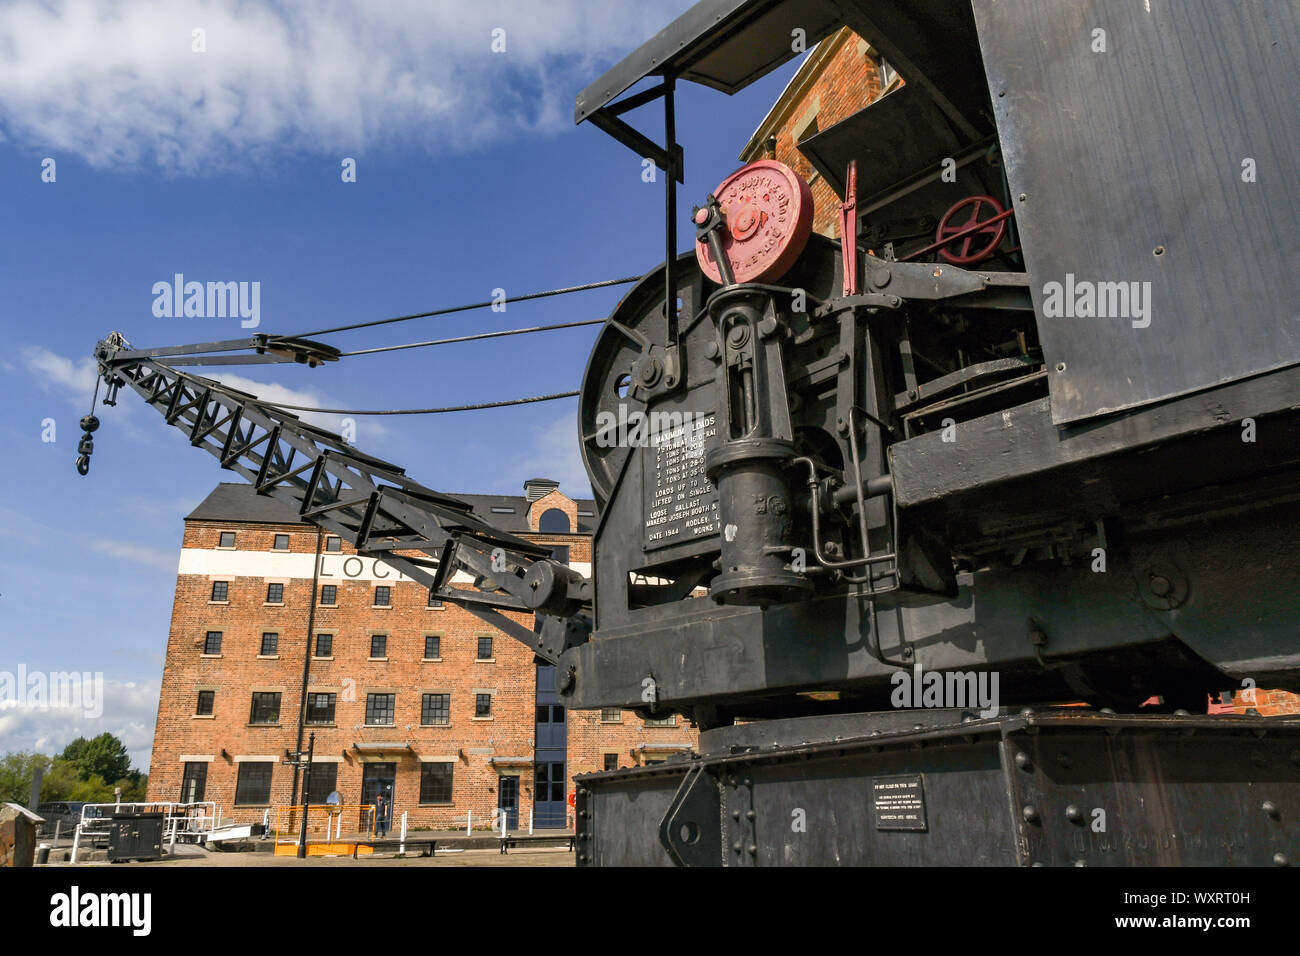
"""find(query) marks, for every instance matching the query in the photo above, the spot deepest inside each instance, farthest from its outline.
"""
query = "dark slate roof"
(236, 501)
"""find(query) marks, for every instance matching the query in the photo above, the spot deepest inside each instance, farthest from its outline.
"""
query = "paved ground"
(188, 856)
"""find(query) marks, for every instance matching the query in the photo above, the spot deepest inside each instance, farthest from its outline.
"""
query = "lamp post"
(303, 761)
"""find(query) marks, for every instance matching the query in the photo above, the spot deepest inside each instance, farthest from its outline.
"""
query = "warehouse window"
(669, 721)
(204, 707)
(320, 708)
(321, 782)
(560, 552)
(435, 782)
(611, 715)
(484, 648)
(433, 601)
(270, 644)
(482, 705)
(378, 646)
(435, 710)
(611, 761)
(324, 645)
(553, 521)
(379, 709)
(275, 594)
(432, 647)
(281, 542)
(220, 591)
(329, 595)
(383, 595)
(253, 787)
(502, 510)
(333, 544)
(194, 782)
(265, 709)
(212, 643)
(227, 540)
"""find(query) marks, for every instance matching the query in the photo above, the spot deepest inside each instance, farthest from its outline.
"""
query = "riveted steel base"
(1059, 787)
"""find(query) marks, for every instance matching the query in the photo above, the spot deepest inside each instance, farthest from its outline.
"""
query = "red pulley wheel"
(768, 215)
(981, 243)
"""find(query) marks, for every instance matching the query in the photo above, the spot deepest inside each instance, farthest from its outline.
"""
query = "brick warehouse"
(421, 699)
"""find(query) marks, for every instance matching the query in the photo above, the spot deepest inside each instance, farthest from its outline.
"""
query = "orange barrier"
(332, 830)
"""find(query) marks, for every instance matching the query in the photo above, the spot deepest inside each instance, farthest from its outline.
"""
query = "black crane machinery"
(872, 510)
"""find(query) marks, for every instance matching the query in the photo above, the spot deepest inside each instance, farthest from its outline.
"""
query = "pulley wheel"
(768, 216)
(981, 243)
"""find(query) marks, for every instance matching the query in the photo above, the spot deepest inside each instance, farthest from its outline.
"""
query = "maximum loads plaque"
(681, 503)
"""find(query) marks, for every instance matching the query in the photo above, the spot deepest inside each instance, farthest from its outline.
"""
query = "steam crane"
(1029, 426)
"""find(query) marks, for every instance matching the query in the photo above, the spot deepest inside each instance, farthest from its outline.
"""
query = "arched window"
(554, 520)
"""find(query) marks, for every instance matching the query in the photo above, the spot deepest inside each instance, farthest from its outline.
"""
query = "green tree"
(104, 756)
(16, 771)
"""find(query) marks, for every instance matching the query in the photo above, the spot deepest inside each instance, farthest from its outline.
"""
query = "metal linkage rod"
(365, 500)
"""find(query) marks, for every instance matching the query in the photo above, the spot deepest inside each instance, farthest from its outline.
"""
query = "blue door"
(550, 811)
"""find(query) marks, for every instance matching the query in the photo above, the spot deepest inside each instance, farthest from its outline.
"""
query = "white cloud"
(555, 455)
(130, 709)
(119, 84)
(56, 373)
(136, 553)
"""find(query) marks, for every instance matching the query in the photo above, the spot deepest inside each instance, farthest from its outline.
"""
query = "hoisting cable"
(474, 305)
(472, 338)
(420, 411)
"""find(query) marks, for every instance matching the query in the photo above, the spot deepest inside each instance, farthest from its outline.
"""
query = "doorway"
(379, 778)
(508, 801)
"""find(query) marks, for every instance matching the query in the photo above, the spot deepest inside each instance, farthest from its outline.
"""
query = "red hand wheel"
(978, 244)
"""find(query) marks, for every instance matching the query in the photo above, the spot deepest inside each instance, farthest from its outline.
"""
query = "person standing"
(381, 814)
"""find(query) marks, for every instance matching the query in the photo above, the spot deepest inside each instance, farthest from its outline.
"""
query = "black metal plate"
(898, 803)
(1121, 152)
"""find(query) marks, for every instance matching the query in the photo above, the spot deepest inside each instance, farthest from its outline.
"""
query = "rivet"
(1023, 761)
(736, 846)
(1080, 862)
(735, 814)
(1073, 814)
(749, 782)
(1270, 809)
(1030, 813)
(749, 814)
(753, 850)
(1280, 859)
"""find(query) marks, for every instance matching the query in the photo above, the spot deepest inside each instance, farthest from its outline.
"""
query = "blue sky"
(225, 165)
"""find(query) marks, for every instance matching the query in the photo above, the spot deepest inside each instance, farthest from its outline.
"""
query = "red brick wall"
(350, 674)
(849, 81)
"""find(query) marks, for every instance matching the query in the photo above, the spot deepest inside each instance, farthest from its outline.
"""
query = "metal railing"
(190, 822)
